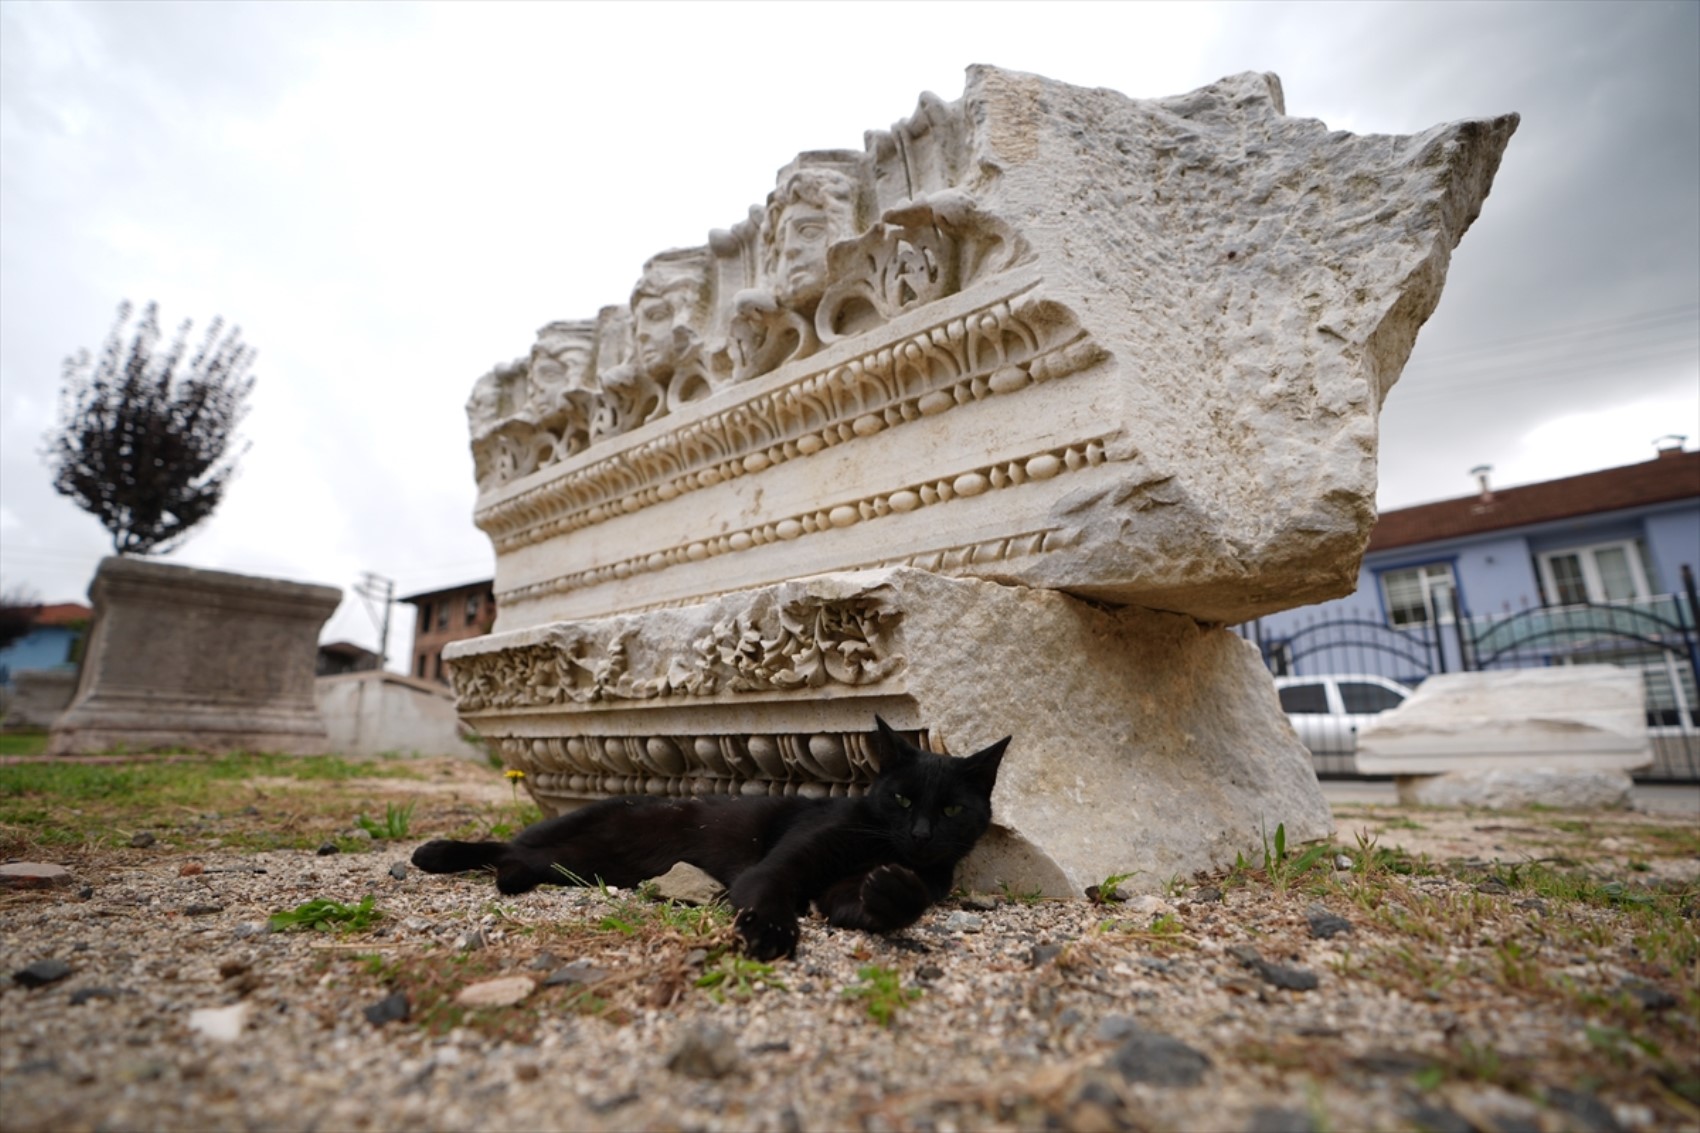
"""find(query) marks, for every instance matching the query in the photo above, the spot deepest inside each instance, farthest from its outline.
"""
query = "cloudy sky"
(390, 198)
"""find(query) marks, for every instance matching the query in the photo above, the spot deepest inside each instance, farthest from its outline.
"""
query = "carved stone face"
(801, 242)
(653, 320)
(811, 210)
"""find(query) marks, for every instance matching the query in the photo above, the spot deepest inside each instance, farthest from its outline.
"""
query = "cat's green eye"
(901, 801)
(952, 811)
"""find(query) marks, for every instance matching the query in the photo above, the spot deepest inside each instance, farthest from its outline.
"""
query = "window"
(472, 609)
(1416, 593)
(421, 666)
(1363, 698)
(442, 615)
(1606, 572)
(1306, 699)
(424, 617)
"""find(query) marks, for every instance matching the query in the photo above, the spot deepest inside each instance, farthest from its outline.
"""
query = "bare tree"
(19, 607)
(144, 440)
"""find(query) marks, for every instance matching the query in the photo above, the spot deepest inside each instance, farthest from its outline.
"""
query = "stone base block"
(39, 696)
(1570, 717)
(1518, 789)
(1144, 742)
(198, 659)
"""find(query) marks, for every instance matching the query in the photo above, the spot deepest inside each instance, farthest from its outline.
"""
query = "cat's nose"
(921, 830)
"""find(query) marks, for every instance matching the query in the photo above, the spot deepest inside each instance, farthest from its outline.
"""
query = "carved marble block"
(1043, 335)
(201, 659)
(1143, 741)
(935, 433)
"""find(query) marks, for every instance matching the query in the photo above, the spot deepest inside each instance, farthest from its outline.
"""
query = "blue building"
(1582, 569)
(51, 642)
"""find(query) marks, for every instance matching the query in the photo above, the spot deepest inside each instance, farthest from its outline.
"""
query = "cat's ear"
(894, 751)
(981, 768)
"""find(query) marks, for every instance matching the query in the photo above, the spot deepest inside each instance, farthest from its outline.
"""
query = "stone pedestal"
(1144, 742)
(179, 657)
(1560, 737)
(38, 696)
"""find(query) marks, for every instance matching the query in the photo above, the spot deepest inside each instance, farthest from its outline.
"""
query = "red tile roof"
(1661, 480)
(63, 613)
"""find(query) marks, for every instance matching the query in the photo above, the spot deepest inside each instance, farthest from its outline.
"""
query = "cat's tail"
(513, 873)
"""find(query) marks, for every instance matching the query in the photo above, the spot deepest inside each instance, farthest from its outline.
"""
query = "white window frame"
(1591, 583)
(1442, 610)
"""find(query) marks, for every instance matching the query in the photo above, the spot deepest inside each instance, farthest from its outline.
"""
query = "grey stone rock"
(1271, 1119)
(1649, 996)
(393, 1008)
(1156, 1059)
(978, 903)
(202, 910)
(142, 840)
(1207, 895)
(1324, 924)
(33, 875)
(84, 994)
(1043, 954)
(544, 961)
(1594, 1115)
(704, 1051)
(328, 848)
(399, 871)
(1278, 975)
(577, 972)
(253, 928)
(470, 941)
(964, 922)
(41, 973)
(687, 885)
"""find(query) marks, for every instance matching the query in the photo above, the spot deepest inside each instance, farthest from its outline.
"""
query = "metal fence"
(1333, 672)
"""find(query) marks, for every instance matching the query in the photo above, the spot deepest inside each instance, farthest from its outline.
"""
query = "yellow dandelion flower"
(515, 773)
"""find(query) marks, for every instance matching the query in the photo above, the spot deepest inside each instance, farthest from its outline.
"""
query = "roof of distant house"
(448, 591)
(1666, 478)
(63, 614)
(346, 649)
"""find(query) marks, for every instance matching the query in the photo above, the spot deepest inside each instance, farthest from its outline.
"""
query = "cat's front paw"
(767, 936)
(893, 897)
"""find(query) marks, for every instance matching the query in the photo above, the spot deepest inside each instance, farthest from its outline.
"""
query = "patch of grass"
(325, 915)
(738, 977)
(1020, 896)
(881, 992)
(23, 743)
(397, 821)
(1104, 892)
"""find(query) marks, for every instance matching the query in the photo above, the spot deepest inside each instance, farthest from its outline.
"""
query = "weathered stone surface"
(1144, 743)
(504, 992)
(38, 696)
(179, 657)
(390, 714)
(1518, 788)
(1132, 349)
(33, 875)
(221, 1024)
(1572, 717)
(688, 885)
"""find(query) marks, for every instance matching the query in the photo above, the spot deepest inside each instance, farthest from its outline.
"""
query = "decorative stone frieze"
(1131, 349)
(206, 660)
(1142, 741)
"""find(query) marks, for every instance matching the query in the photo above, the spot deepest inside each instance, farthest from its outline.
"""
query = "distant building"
(447, 615)
(53, 642)
(1581, 570)
(339, 657)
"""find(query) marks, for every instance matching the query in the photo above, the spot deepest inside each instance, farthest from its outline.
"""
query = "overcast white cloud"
(390, 198)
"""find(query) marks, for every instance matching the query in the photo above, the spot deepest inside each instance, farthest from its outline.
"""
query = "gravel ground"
(1332, 998)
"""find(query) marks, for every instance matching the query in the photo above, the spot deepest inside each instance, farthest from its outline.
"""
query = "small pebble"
(142, 840)
(704, 1051)
(399, 871)
(202, 910)
(41, 973)
(328, 848)
(964, 922)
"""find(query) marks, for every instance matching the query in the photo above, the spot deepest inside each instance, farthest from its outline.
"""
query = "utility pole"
(376, 588)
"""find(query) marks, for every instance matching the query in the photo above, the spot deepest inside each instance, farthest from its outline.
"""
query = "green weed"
(396, 823)
(738, 977)
(881, 992)
(323, 915)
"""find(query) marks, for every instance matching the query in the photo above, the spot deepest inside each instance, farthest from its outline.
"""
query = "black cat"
(873, 863)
